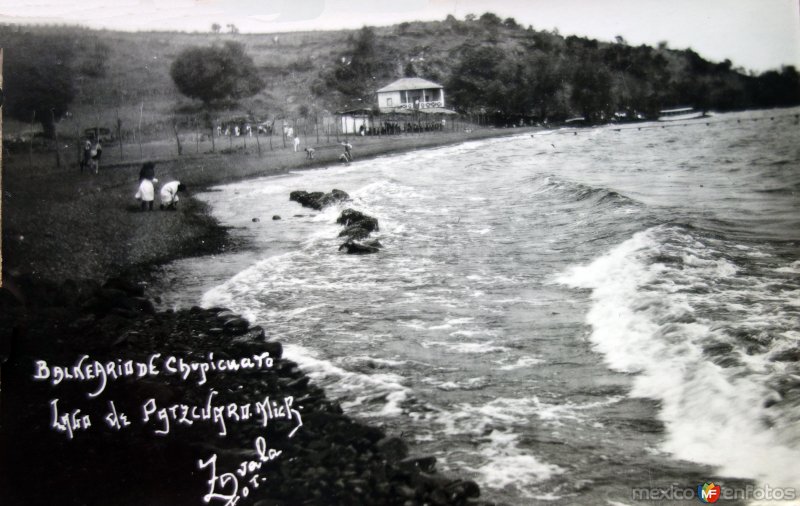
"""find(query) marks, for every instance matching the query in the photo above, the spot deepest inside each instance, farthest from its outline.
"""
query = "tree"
(353, 78)
(591, 91)
(490, 19)
(475, 80)
(39, 80)
(216, 74)
(216, 27)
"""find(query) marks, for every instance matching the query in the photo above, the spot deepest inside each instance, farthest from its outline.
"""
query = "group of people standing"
(146, 193)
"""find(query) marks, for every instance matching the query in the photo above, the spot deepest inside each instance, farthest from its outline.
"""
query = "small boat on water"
(680, 113)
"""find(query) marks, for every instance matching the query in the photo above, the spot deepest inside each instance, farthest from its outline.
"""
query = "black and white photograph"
(426, 252)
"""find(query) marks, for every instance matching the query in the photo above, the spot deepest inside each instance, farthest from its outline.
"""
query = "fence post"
(55, 134)
(119, 137)
(80, 147)
(30, 144)
(271, 129)
(141, 112)
(177, 137)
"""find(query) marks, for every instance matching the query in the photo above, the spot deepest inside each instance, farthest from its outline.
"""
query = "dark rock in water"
(355, 232)
(236, 326)
(354, 248)
(276, 217)
(393, 448)
(318, 200)
(274, 348)
(298, 384)
(352, 217)
(333, 197)
(463, 489)
(425, 464)
(256, 220)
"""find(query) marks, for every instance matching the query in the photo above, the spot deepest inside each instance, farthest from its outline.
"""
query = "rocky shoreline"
(320, 456)
(112, 250)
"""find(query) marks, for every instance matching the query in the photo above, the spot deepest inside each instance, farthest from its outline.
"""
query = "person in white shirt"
(169, 194)
(296, 143)
(146, 193)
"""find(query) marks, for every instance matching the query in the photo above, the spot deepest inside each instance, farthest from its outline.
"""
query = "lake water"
(561, 317)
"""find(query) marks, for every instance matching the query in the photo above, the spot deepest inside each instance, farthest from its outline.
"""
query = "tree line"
(489, 66)
(507, 72)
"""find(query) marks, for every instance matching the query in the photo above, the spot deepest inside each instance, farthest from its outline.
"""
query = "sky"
(756, 35)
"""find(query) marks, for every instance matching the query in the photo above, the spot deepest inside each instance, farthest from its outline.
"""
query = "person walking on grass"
(169, 195)
(96, 152)
(296, 143)
(348, 155)
(86, 159)
(147, 192)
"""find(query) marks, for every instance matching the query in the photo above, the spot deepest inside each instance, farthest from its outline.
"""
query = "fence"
(191, 135)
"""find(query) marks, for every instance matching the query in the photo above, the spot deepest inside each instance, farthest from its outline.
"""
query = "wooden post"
(80, 147)
(213, 131)
(119, 136)
(271, 130)
(177, 137)
(30, 144)
(55, 134)
(141, 112)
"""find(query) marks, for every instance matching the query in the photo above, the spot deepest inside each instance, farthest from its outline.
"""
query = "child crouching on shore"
(169, 195)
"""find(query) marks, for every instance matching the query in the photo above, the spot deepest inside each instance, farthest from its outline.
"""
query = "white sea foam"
(462, 347)
(519, 363)
(386, 391)
(643, 320)
(506, 464)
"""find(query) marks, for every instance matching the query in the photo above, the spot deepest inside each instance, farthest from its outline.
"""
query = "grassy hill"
(125, 76)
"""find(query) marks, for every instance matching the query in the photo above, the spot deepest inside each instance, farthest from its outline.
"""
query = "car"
(104, 135)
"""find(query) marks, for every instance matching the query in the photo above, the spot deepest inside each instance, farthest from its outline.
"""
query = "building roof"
(410, 83)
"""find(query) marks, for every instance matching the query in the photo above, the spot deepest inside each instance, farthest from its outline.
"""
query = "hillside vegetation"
(490, 67)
